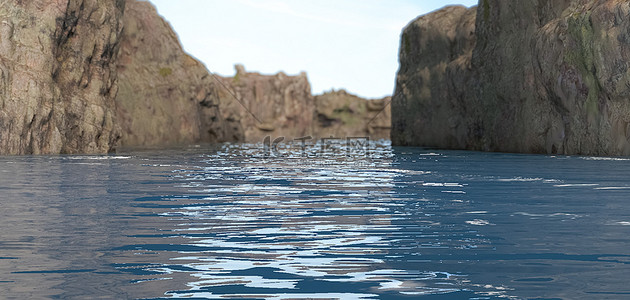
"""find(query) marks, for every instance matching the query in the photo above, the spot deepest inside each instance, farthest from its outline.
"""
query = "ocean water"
(373, 222)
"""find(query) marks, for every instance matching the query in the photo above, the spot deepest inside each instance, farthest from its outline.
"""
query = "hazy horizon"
(340, 44)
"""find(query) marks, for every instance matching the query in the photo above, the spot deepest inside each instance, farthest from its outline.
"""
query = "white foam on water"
(606, 158)
(520, 179)
(479, 222)
(104, 157)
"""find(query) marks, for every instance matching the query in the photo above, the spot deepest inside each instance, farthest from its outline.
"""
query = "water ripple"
(236, 221)
(267, 227)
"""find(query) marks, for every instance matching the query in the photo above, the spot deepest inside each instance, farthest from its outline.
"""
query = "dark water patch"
(321, 193)
(138, 269)
(176, 206)
(534, 280)
(161, 247)
(535, 264)
(282, 182)
(150, 199)
(152, 235)
(524, 257)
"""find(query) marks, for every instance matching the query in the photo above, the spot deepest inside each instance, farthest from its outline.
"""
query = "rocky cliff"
(282, 106)
(431, 102)
(517, 76)
(165, 96)
(85, 76)
(58, 75)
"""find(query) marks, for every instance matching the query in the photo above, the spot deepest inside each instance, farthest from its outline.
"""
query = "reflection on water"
(285, 229)
(234, 222)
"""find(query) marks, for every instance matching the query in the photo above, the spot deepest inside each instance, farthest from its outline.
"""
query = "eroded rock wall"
(58, 75)
(431, 105)
(554, 76)
(543, 77)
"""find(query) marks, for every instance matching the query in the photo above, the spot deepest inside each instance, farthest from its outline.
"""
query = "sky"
(340, 44)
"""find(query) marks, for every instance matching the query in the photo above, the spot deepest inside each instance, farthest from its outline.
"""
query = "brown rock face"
(271, 105)
(58, 75)
(431, 102)
(283, 106)
(340, 114)
(165, 95)
(544, 77)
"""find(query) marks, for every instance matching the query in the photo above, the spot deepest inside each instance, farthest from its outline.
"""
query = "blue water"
(239, 222)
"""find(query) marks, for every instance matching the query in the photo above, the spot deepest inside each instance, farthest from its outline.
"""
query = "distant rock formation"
(341, 114)
(265, 105)
(282, 106)
(517, 76)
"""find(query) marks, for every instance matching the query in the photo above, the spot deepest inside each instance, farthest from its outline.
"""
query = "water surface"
(239, 222)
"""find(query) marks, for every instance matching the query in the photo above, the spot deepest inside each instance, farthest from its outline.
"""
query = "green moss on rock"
(581, 30)
(166, 72)
(486, 10)
(582, 57)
